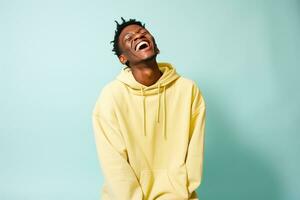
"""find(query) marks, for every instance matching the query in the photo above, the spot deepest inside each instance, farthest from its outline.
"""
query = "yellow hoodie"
(150, 138)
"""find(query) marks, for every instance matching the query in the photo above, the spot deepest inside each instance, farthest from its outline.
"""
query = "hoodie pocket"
(179, 180)
(164, 183)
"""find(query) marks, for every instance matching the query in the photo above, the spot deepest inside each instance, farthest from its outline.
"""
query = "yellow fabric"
(148, 149)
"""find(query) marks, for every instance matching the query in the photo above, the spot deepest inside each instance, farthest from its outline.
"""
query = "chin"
(150, 57)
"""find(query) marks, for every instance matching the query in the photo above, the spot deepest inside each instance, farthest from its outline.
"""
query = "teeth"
(140, 44)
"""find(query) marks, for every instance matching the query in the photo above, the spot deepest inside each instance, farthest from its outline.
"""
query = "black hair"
(120, 27)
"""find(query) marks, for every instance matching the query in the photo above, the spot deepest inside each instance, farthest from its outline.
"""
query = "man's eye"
(128, 38)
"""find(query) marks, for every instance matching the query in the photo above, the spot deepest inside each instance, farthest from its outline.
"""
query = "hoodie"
(150, 139)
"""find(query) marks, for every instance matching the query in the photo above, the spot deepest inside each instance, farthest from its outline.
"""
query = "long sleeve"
(194, 159)
(120, 180)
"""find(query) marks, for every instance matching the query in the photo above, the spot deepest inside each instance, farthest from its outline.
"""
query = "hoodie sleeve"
(121, 181)
(194, 159)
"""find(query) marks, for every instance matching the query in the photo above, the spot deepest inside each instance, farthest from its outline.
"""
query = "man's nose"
(137, 36)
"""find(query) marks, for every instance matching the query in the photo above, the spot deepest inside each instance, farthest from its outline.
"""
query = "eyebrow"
(132, 33)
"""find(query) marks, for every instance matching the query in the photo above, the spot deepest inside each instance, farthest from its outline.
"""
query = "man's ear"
(123, 59)
(157, 50)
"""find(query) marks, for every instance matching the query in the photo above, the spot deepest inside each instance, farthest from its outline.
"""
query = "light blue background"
(56, 57)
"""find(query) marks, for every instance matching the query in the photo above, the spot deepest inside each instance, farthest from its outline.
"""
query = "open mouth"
(141, 45)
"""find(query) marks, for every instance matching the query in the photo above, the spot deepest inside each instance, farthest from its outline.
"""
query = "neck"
(146, 73)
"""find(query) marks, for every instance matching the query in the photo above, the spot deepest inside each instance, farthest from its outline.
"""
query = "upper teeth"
(140, 44)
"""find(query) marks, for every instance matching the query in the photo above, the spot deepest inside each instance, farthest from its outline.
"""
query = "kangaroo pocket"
(164, 184)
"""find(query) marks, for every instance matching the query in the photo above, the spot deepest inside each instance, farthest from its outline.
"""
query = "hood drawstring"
(164, 108)
(144, 119)
(158, 109)
(158, 105)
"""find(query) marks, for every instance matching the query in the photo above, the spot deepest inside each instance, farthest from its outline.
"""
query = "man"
(149, 124)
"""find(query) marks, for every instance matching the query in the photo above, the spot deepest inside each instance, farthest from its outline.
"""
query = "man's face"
(136, 45)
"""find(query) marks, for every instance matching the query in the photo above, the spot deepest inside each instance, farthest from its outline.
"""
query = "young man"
(149, 124)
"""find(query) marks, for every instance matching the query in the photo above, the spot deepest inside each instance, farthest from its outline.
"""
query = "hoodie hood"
(169, 75)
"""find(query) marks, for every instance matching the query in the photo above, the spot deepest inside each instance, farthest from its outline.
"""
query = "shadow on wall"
(232, 172)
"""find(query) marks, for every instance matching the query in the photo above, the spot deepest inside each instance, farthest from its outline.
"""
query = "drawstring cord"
(158, 105)
(144, 123)
(164, 125)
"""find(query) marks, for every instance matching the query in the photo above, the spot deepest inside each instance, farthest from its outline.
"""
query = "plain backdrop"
(55, 57)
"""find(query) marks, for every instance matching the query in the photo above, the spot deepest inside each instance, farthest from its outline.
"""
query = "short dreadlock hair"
(118, 31)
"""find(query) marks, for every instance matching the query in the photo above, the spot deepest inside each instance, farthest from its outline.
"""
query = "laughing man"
(149, 124)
